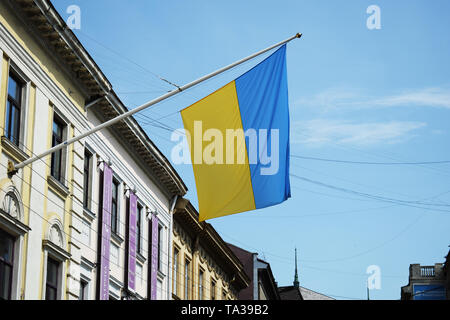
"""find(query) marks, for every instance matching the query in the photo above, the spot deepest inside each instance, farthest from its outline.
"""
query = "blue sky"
(355, 94)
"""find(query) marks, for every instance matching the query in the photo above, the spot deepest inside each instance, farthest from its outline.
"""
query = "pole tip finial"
(298, 35)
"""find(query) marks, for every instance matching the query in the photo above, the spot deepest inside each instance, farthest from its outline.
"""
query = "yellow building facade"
(50, 210)
(203, 267)
(32, 84)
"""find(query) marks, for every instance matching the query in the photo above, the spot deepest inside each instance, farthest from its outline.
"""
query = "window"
(84, 285)
(13, 109)
(140, 210)
(139, 271)
(87, 179)
(213, 290)
(200, 285)
(114, 207)
(6, 265)
(100, 192)
(114, 254)
(175, 271)
(51, 285)
(160, 244)
(57, 164)
(187, 279)
(86, 232)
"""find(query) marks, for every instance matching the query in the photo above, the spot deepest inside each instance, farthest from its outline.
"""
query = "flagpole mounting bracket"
(11, 169)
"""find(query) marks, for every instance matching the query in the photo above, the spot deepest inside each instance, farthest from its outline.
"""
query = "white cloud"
(437, 131)
(331, 98)
(318, 132)
(341, 97)
(429, 97)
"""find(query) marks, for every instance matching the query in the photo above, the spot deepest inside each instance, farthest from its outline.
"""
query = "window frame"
(16, 229)
(187, 278)
(213, 289)
(201, 279)
(52, 286)
(25, 81)
(175, 277)
(84, 289)
(86, 269)
(86, 225)
(56, 253)
(160, 246)
(115, 203)
(59, 120)
(140, 209)
(87, 178)
(10, 264)
(11, 103)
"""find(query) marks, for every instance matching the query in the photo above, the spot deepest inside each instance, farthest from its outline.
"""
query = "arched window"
(12, 231)
(54, 256)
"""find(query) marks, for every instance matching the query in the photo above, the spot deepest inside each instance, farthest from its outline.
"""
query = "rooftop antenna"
(296, 282)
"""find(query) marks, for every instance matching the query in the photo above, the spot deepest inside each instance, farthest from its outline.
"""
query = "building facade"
(93, 220)
(262, 282)
(426, 283)
(203, 266)
(447, 274)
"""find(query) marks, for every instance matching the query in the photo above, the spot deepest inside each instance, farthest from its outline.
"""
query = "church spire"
(296, 283)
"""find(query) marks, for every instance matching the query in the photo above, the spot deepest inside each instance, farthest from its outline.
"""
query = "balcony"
(426, 272)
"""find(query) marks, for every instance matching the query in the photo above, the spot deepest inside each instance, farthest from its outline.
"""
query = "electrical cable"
(369, 163)
(379, 198)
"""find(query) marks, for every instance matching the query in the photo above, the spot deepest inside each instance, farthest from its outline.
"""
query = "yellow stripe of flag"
(223, 181)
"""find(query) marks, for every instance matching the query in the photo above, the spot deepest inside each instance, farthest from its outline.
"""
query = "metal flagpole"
(14, 168)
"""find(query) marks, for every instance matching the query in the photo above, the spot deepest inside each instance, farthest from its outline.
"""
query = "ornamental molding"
(204, 258)
(11, 201)
(55, 233)
(183, 237)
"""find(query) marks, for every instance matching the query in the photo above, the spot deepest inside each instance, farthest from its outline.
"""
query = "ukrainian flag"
(235, 180)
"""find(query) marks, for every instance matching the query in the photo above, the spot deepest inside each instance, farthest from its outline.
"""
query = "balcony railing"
(427, 271)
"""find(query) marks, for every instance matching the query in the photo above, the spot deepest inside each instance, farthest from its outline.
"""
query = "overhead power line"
(14, 168)
(367, 162)
(131, 61)
(376, 197)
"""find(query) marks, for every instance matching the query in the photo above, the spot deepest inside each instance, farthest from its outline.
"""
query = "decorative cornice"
(89, 264)
(61, 190)
(13, 151)
(57, 252)
(12, 224)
